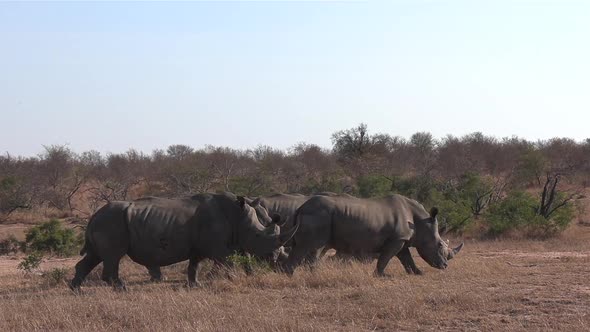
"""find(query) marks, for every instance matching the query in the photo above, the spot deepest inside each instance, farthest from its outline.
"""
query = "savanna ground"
(491, 286)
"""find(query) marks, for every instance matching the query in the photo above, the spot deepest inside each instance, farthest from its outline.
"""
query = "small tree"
(13, 196)
(551, 199)
(63, 176)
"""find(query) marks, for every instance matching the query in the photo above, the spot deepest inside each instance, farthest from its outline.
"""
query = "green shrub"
(10, 245)
(417, 187)
(373, 185)
(518, 211)
(52, 237)
(248, 263)
(31, 262)
(454, 213)
(515, 211)
(55, 276)
(557, 221)
(325, 183)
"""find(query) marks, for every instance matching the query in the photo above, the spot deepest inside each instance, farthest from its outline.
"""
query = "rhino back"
(361, 224)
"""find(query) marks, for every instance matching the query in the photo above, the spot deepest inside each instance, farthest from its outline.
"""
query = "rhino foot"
(193, 284)
(119, 286)
(158, 280)
(75, 288)
(122, 288)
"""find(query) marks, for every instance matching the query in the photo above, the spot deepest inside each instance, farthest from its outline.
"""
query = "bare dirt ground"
(490, 286)
(17, 230)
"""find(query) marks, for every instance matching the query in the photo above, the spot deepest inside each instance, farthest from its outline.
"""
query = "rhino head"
(429, 244)
(262, 213)
(254, 237)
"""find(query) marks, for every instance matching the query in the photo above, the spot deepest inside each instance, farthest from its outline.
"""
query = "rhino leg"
(220, 266)
(155, 273)
(407, 261)
(312, 259)
(225, 266)
(390, 249)
(309, 241)
(110, 273)
(83, 268)
(193, 266)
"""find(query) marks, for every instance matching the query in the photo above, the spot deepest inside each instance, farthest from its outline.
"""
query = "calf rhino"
(284, 205)
(159, 232)
(385, 227)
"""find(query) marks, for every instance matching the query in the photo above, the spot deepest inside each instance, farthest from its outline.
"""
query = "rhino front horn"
(456, 250)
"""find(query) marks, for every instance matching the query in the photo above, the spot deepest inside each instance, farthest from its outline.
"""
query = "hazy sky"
(111, 76)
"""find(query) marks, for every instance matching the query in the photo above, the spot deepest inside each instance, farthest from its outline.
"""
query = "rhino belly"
(356, 235)
(154, 245)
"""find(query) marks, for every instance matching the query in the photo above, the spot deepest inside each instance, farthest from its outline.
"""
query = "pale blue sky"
(114, 76)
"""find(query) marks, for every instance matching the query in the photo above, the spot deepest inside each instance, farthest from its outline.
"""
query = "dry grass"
(491, 286)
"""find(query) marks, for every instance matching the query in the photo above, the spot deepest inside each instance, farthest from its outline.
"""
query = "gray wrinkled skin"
(385, 227)
(265, 220)
(284, 205)
(157, 232)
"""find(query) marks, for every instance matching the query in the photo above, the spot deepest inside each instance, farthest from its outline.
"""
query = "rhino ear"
(255, 202)
(241, 202)
(433, 212)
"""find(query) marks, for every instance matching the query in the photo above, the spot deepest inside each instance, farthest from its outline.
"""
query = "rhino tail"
(87, 245)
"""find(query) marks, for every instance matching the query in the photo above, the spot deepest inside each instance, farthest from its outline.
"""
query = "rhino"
(284, 205)
(385, 227)
(265, 219)
(157, 232)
